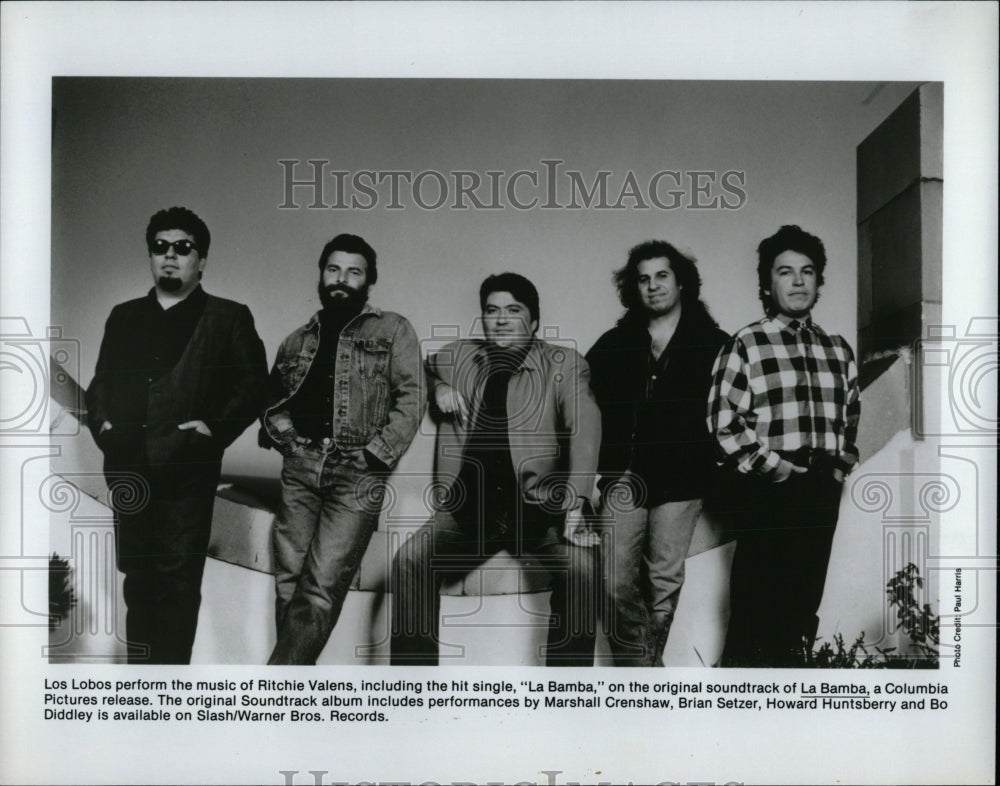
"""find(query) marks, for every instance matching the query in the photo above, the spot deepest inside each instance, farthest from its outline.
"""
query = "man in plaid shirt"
(784, 409)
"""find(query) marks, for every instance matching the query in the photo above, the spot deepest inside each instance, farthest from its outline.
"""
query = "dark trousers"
(443, 546)
(162, 528)
(779, 569)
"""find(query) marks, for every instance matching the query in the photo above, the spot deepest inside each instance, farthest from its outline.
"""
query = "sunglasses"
(182, 247)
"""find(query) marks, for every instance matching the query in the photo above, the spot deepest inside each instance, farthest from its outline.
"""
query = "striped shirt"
(779, 385)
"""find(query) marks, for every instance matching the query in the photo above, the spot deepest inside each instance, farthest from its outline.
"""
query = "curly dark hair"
(789, 238)
(352, 244)
(520, 288)
(685, 270)
(183, 219)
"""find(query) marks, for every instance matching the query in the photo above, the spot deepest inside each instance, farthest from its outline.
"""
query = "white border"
(954, 42)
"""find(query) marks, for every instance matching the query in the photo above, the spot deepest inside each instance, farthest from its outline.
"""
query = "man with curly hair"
(651, 373)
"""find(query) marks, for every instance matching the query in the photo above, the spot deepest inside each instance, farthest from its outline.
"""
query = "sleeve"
(97, 396)
(407, 398)
(731, 418)
(276, 421)
(581, 417)
(441, 365)
(246, 381)
(850, 455)
(595, 362)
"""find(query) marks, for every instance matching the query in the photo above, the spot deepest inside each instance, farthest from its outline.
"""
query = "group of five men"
(587, 466)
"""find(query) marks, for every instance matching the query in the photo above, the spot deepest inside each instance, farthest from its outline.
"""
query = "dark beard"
(352, 300)
(169, 283)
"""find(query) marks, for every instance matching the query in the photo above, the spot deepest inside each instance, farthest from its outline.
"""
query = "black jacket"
(220, 379)
(664, 440)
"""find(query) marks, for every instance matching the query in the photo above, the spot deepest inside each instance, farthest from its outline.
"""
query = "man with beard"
(180, 375)
(651, 373)
(345, 403)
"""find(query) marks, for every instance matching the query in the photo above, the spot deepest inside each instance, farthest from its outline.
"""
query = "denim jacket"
(377, 401)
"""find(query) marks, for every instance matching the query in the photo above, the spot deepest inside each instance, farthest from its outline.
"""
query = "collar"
(792, 324)
(368, 308)
(636, 326)
(193, 299)
(532, 360)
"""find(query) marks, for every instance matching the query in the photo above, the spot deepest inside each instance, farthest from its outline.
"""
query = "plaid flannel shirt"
(782, 384)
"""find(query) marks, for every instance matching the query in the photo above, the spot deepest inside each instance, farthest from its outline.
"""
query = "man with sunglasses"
(180, 375)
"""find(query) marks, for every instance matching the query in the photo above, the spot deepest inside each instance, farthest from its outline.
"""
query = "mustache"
(327, 295)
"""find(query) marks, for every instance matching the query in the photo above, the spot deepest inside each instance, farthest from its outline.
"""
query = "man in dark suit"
(180, 375)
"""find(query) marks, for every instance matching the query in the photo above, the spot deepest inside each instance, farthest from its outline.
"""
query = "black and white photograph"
(520, 332)
(427, 376)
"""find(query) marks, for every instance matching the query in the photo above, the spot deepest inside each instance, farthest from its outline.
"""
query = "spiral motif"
(27, 392)
(58, 494)
(938, 496)
(528, 415)
(445, 494)
(371, 492)
(968, 379)
(871, 495)
(559, 496)
(622, 496)
(128, 492)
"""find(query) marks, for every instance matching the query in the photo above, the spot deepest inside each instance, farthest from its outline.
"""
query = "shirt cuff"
(771, 462)
(380, 449)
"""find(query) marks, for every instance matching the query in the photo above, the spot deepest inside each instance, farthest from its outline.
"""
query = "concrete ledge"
(242, 520)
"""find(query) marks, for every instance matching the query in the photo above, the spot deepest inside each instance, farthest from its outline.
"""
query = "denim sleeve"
(276, 430)
(406, 394)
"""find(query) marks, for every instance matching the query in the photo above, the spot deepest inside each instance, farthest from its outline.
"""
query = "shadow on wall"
(236, 623)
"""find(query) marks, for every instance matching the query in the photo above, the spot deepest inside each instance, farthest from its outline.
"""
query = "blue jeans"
(330, 504)
(645, 573)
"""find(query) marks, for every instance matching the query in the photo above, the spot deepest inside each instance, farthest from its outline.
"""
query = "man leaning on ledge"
(518, 443)
(344, 404)
(651, 373)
